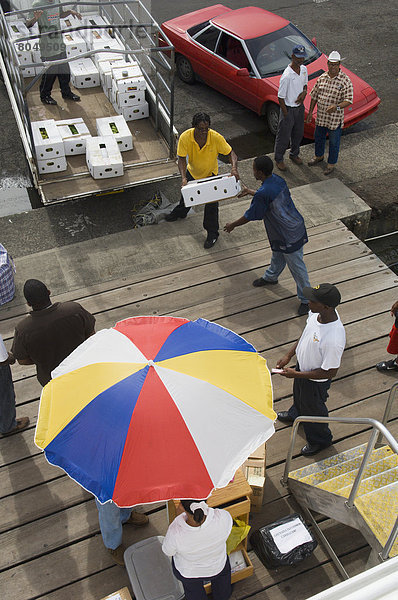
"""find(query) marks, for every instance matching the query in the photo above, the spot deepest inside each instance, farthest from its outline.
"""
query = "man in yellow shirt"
(202, 146)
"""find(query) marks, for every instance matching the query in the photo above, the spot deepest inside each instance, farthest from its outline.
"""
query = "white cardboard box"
(28, 72)
(94, 34)
(47, 139)
(132, 113)
(70, 21)
(74, 133)
(52, 165)
(123, 99)
(18, 29)
(128, 78)
(105, 68)
(210, 189)
(117, 127)
(103, 157)
(84, 73)
(36, 56)
(24, 56)
(74, 43)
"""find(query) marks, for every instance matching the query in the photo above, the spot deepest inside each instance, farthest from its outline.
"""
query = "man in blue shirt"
(284, 224)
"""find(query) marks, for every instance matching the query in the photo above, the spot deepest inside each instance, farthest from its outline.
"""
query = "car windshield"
(272, 52)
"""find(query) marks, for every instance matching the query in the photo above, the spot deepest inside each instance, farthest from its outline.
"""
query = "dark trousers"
(309, 399)
(221, 588)
(7, 400)
(290, 131)
(210, 217)
(60, 71)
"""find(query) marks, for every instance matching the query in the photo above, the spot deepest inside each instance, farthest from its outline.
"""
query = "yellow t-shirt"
(202, 162)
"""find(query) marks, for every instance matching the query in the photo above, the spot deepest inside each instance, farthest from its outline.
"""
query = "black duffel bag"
(283, 543)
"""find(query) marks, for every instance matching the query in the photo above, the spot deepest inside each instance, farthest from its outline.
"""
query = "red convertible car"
(242, 53)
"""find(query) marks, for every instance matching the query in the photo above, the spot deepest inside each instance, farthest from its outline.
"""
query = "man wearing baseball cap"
(291, 94)
(318, 353)
(333, 92)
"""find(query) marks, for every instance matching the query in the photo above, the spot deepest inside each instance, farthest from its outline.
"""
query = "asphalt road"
(362, 31)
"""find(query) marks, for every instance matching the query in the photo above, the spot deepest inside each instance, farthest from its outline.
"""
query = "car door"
(222, 57)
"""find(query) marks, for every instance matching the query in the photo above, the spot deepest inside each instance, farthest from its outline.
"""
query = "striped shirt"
(329, 91)
(7, 270)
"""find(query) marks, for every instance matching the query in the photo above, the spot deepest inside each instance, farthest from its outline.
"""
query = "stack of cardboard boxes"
(254, 470)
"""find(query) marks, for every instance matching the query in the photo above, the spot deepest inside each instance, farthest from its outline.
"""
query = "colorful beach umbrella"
(156, 408)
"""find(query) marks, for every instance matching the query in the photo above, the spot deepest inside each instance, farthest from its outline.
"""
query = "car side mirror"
(242, 73)
(313, 41)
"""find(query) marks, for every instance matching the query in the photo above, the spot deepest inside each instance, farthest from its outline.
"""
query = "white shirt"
(3, 351)
(199, 551)
(291, 84)
(321, 345)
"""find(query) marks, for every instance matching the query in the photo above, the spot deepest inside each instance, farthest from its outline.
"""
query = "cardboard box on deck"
(74, 43)
(103, 157)
(254, 469)
(52, 165)
(257, 483)
(117, 127)
(133, 113)
(74, 133)
(98, 28)
(84, 73)
(210, 189)
(70, 21)
(47, 140)
(23, 56)
(105, 70)
(122, 594)
(36, 56)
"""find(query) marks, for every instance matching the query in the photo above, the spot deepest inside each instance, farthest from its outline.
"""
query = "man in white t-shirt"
(291, 94)
(8, 421)
(318, 353)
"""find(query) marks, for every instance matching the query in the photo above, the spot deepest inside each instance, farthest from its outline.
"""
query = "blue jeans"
(7, 400)
(295, 262)
(334, 143)
(111, 519)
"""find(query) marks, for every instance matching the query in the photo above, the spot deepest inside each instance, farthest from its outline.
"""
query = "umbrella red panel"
(149, 333)
(160, 458)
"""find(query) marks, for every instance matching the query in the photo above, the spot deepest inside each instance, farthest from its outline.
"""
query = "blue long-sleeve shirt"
(284, 224)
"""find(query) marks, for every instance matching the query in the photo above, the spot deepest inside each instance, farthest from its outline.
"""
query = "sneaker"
(261, 282)
(49, 100)
(71, 96)
(387, 365)
(303, 309)
(22, 424)
(117, 554)
(137, 519)
(210, 240)
(296, 159)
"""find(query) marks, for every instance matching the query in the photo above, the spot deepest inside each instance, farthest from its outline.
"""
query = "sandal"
(315, 160)
(387, 365)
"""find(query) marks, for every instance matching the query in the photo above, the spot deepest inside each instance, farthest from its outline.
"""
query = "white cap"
(334, 56)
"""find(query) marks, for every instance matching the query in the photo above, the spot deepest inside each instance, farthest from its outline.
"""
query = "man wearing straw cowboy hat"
(333, 92)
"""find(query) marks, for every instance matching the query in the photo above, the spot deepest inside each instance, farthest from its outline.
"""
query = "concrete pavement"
(72, 246)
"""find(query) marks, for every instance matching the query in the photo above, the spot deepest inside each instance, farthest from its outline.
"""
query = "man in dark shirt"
(50, 332)
(284, 224)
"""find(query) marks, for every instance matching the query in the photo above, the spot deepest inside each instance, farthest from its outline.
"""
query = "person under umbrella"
(196, 540)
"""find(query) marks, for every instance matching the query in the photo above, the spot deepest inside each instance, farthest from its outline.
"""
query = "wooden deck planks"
(49, 525)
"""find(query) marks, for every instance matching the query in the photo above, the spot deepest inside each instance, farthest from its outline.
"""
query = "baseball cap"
(299, 51)
(334, 56)
(325, 293)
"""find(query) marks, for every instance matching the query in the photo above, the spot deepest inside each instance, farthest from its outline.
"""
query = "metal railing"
(390, 400)
(378, 430)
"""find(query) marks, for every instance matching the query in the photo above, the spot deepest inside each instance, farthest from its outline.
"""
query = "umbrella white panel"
(225, 429)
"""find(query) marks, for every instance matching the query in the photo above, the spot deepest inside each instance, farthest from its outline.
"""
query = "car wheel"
(184, 69)
(272, 115)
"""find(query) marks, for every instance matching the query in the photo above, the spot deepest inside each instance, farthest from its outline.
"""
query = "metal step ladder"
(358, 487)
